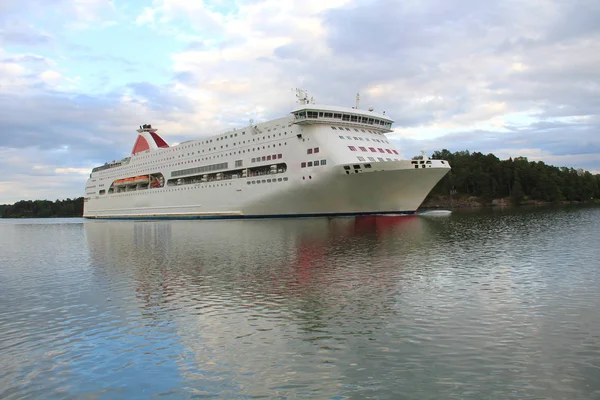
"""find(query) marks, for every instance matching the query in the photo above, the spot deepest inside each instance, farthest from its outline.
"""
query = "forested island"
(478, 179)
(475, 180)
(43, 209)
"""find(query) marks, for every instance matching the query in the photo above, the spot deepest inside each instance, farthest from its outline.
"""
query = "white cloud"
(498, 76)
(92, 13)
(79, 171)
(51, 77)
(146, 17)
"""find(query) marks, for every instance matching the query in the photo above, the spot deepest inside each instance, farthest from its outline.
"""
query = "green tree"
(43, 209)
(517, 194)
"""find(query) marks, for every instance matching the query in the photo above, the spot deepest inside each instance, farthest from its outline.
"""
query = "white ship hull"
(338, 179)
(392, 188)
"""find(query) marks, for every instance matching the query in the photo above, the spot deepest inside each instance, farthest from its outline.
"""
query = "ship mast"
(302, 96)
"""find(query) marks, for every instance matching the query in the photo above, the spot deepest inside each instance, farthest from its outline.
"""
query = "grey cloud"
(289, 51)
(195, 46)
(576, 18)
(50, 122)
(95, 128)
(388, 29)
(426, 48)
(14, 32)
(186, 78)
(518, 43)
(28, 59)
(559, 138)
(161, 98)
(554, 138)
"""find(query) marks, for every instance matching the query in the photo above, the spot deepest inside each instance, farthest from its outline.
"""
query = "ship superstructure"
(319, 160)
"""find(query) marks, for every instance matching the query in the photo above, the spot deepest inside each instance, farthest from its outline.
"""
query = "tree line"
(43, 209)
(488, 177)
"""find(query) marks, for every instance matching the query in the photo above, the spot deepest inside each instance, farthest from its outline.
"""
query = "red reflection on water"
(380, 224)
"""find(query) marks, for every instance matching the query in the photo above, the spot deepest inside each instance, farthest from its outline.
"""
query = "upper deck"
(111, 165)
(322, 114)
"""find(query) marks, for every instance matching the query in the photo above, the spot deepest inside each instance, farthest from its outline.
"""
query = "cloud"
(80, 171)
(15, 32)
(34, 59)
(37, 174)
(498, 76)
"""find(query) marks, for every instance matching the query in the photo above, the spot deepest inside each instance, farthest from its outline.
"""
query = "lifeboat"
(129, 181)
(119, 182)
(141, 180)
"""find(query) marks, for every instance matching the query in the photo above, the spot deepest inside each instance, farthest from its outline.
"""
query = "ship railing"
(341, 122)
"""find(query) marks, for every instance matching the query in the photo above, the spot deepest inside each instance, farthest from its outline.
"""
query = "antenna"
(301, 96)
(357, 100)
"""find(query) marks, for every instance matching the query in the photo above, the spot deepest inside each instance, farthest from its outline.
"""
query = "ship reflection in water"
(264, 306)
(356, 307)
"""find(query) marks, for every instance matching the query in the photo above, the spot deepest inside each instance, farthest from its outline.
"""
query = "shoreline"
(458, 201)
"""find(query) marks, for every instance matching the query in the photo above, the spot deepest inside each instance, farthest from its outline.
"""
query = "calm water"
(480, 305)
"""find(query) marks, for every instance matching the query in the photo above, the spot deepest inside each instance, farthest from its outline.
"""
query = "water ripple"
(475, 305)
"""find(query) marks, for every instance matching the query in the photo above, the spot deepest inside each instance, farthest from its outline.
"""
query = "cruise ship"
(317, 161)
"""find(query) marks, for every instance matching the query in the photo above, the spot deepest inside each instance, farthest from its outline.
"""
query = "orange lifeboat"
(119, 182)
(142, 179)
(129, 181)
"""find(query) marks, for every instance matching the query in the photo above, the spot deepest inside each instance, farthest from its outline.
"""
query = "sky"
(77, 77)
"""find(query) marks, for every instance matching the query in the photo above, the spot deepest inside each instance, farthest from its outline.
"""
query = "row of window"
(231, 174)
(267, 158)
(344, 117)
(316, 163)
(360, 158)
(231, 136)
(267, 181)
(311, 151)
(188, 154)
(361, 139)
(198, 143)
(373, 150)
(357, 130)
(146, 191)
(177, 148)
(228, 154)
(227, 146)
(146, 170)
(199, 170)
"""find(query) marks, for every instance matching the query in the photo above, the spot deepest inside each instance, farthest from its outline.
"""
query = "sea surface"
(493, 304)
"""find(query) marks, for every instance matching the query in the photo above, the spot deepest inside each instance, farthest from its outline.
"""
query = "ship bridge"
(309, 114)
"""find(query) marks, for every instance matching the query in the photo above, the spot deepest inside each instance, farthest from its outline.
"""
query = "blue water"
(473, 305)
